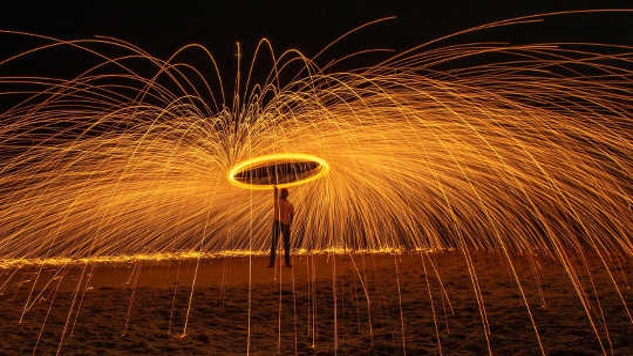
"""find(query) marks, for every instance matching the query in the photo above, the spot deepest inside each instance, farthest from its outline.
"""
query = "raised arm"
(292, 214)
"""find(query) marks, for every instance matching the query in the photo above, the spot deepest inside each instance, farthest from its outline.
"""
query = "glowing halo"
(282, 170)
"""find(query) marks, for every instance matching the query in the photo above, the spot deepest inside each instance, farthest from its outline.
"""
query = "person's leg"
(286, 232)
(273, 245)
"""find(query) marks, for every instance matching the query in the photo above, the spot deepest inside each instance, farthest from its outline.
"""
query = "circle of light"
(323, 167)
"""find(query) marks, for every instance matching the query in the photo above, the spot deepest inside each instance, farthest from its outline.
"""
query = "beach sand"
(371, 304)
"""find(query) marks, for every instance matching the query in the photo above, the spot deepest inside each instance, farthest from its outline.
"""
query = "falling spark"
(526, 151)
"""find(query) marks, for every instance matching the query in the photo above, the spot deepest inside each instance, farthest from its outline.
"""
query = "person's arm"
(275, 201)
(292, 214)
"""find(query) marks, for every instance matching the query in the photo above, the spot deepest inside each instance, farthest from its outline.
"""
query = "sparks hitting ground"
(524, 151)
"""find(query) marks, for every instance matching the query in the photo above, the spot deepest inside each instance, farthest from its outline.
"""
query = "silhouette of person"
(283, 213)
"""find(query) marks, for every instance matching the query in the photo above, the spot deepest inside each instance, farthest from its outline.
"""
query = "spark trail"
(524, 151)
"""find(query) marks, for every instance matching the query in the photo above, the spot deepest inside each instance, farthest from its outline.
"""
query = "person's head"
(284, 193)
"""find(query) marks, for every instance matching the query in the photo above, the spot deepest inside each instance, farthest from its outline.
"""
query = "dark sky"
(161, 27)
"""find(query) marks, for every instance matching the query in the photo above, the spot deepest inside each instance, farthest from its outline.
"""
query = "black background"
(161, 27)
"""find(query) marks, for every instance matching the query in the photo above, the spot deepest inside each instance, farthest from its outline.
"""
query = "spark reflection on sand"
(187, 255)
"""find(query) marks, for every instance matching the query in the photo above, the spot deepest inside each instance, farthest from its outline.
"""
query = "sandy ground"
(320, 304)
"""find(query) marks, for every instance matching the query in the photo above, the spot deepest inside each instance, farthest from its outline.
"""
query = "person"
(283, 214)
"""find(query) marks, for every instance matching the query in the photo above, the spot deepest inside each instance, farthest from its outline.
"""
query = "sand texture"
(298, 311)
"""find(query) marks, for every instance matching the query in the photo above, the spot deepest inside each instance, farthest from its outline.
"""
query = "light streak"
(520, 154)
(524, 150)
(263, 161)
(186, 255)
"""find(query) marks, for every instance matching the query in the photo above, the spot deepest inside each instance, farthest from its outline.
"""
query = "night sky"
(161, 27)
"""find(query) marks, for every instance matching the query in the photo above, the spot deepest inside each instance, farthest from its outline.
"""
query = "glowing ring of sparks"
(298, 167)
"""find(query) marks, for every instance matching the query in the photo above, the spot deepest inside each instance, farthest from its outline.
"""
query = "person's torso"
(282, 211)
